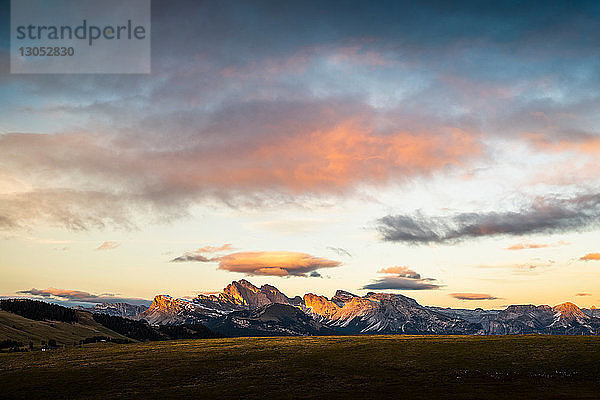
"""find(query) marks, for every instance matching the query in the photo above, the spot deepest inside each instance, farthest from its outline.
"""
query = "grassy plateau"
(363, 367)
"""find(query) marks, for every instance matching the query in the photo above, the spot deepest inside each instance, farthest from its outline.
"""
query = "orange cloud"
(215, 249)
(81, 296)
(108, 245)
(275, 263)
(328, 160)
(403, 271)
(591, 257)
(314, 150)
(472, 296)
(524, 246)
(584, 144)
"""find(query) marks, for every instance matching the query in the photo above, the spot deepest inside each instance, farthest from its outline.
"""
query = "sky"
(446, 151)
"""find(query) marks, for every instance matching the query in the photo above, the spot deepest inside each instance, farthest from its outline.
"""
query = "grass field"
(484, 367)
(15, 327)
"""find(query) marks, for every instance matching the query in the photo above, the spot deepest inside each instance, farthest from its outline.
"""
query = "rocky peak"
(163, 302)
(341, 297)
(569, 310)
(393, 298)
(320, 305)
(274, 295)
(245, 294)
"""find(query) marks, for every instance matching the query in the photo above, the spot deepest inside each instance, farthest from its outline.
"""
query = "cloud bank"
(543, 216)
(80, 296)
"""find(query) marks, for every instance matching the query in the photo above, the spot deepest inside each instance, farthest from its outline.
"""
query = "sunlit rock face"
(245, 294)
(569, 311)
(166, 310)
(320, 306)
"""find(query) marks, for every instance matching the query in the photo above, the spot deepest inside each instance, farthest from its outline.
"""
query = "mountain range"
(243, 309)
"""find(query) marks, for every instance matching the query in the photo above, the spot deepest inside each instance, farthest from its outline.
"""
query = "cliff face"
(320, 306)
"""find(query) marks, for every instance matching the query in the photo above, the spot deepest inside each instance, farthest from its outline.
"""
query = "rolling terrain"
(21, 329)
(335, 367)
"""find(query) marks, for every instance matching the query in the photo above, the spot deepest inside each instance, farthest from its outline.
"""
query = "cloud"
(591, 257)
(80, 296)
(583, 294)
(543, 216)
(279, 122)
(524, 246)
(215, 249)
(191, 256)
(281, 155)
(400, 271)
(401, 283)
(472, 296)
(578, 142)
(274, 263)
(197, 255)
(403, 279)
(340, 251)
(109, 245)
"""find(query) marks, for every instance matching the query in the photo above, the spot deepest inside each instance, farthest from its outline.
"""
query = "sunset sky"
(447, 152)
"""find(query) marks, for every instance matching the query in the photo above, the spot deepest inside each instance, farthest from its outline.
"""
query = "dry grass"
(490, 367)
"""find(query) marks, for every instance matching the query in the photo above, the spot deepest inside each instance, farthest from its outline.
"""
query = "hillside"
(21, 329)
(36, 321)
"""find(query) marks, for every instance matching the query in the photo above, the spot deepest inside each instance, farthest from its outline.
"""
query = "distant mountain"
(563, 319)
(243, 309)
(592, 312)
(166, 310)
(118, 309)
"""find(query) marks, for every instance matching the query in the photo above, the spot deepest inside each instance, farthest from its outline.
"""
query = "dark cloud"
(543, 216)
(81, 296)
(401, 283)
(472, 296)
(187, 257)
(402, 278)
